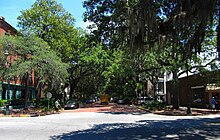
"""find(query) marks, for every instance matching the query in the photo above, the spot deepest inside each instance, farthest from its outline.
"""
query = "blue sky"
(10, 10)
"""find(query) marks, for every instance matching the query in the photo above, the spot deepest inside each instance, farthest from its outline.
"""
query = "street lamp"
(7, 53)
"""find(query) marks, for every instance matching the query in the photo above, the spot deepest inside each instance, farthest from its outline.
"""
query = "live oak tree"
(92, 61)
(141, 23)
(89, 59)
(48, 20)
(34, 55)
(179, 26)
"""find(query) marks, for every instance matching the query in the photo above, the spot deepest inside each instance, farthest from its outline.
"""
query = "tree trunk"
(73, 86)
(175, 101)
(155, 91)
(73, 83)
(71, 90)
(38, 86)
(26, 91)
(38, 96)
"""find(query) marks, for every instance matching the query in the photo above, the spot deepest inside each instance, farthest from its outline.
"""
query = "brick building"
(6, 28)
(196, 90)
(14, 88)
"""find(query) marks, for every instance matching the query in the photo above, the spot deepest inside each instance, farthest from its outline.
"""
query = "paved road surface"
(109, 126)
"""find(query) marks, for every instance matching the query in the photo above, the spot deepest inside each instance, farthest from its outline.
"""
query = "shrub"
(127, 100)
(155, 105)
(44, 103)
(2, 103)
(17, 102)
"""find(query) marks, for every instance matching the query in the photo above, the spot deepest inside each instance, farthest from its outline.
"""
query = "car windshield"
(71, 102)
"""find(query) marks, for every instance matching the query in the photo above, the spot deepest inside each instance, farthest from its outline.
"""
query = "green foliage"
(164, 37)
(97, 61)
(113, 67)
(114, 63)
(48, 20)
(154, 105)
(145, 26)
(17, 102)
(2, 103)
(43, 104)
(5, 50)
(128, 99)
(46, 65)
(139, 86)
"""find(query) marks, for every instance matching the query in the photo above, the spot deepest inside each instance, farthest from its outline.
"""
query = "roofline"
(2, 20)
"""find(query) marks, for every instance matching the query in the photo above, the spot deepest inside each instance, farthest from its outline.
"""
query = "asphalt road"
(109, 126)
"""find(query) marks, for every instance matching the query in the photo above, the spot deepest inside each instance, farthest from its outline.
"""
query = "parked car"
(144, 100)
(120, 101)
(71, 104)
(89, 101)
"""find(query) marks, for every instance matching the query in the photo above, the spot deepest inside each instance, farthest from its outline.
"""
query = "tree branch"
(198, 66)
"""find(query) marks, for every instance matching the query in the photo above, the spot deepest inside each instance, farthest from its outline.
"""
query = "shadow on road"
(146, 129)
(111, 109)
(123, 109)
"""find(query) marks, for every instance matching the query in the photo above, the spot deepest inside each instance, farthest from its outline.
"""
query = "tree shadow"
(125, 113)
(205, 128)
(123, 109)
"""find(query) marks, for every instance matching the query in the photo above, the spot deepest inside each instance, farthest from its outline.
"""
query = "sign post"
(49, 95)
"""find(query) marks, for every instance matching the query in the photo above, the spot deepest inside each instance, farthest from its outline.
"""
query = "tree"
(141, 23)
(176, 26)
(48, 20)
(34, 55)
(91, 61)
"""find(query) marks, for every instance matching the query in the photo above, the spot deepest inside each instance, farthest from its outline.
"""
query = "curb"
(27, 115)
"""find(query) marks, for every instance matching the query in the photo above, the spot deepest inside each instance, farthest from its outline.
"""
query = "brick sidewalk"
(113, 108)
(31, 112)
(182, 112)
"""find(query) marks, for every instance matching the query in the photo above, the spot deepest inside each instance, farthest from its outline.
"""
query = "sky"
(10, 10)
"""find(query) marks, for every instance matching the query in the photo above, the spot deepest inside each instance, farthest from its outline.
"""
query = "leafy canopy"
(48, 20)
(34, 54)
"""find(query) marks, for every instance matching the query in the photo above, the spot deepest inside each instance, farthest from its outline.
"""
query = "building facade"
(15, 88)
(196, 90)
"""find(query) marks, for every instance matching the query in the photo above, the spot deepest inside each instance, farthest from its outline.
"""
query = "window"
(18, 94)
(198, 96)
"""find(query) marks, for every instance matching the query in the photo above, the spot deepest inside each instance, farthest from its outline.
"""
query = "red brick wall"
(191, 85)
(2, 31)
(185, 88)
(5, 27)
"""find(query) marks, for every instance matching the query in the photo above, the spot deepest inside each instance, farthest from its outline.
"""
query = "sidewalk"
(182, 111)
(30, 112)
(113, 108)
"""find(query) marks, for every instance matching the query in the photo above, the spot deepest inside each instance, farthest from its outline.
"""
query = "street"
(109, 125)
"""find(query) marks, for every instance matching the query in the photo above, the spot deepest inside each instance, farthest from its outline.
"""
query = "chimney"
(2, 18)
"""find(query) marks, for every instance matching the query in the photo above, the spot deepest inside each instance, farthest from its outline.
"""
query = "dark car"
(144, 100)
(121, 101)
(89, 101)
(71, 104)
